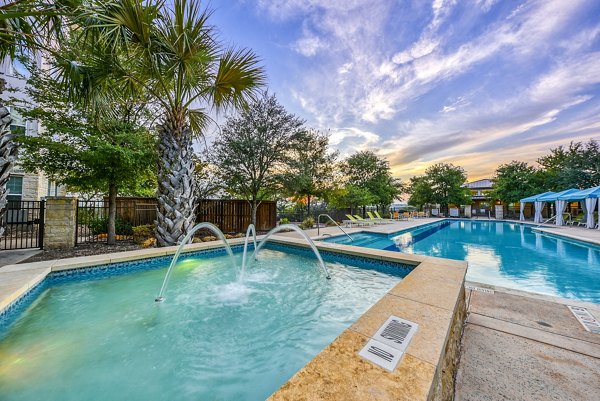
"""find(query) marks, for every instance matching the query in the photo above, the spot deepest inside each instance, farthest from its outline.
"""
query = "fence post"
(60, 222)
(41, 226)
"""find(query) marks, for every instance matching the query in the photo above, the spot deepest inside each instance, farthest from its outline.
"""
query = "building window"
(52, 188)
(18, 125)
(15, 188)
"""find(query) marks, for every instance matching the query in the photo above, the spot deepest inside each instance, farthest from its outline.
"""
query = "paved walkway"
(578, 233)
(518, 347)
(390, 227)
(15, 256)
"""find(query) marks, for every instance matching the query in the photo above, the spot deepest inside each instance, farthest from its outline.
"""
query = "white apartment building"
(24, 186)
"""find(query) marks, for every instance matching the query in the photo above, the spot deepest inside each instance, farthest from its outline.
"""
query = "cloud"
(352, 139)
(309, 45)
(475, 83)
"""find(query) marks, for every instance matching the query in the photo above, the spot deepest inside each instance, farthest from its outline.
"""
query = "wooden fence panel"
(229, 215)
(236, 215)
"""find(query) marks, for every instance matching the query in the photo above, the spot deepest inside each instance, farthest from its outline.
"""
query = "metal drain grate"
(479, 289)
(381, 354)
(396, 332)
(386, 347)
(587, 320)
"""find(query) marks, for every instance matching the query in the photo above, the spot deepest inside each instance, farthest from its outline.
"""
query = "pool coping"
(432, 295)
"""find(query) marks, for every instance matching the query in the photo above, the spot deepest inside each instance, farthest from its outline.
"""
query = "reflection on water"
(512, 255)
(503, 254)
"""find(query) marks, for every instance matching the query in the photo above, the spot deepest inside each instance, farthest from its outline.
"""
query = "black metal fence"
(24, 225)
(92, 219)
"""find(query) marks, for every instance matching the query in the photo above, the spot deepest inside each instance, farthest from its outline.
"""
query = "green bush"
(100, 226)
(284, 220)
(142, 233)
(308, 223)
(86, 215)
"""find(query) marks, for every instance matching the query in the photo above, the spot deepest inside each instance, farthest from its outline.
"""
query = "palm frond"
(238, 80)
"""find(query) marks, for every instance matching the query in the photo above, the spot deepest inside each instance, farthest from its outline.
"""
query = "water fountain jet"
(184, 242)
(299, 231)
(253, 230)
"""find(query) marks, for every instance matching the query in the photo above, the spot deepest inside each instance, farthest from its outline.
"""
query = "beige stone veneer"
(432, 295)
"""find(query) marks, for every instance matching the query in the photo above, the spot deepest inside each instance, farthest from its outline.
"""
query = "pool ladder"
(334, 222)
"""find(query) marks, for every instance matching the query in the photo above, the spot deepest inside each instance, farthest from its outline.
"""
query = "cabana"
(560, 204)
(538, 206)
(590, 197)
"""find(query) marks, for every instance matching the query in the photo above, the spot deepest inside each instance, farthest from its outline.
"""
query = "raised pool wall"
(432, 295)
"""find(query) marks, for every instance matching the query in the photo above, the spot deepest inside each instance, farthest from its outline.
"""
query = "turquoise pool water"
(105, 338)
(504, 254)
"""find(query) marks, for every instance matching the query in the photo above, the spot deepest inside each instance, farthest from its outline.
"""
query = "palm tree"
(172, 54)
(24, 24)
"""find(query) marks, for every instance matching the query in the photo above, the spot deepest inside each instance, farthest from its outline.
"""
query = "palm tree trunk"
(8, 156)
(176, 184)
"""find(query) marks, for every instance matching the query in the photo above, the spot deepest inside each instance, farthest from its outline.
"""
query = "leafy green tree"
(25, 25)
(577, 166)
(85, 152)
(443, 184)
(207, 182)
(351, 196)
(252, 149)
(170, 52)
(368, 171)
(420, 191)
(515, 181)
(309, 168)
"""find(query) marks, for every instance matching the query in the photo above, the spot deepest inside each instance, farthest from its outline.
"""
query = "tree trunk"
(308, 206)
(176, 184)
(254, 208)
(112, 214)
(8, 157)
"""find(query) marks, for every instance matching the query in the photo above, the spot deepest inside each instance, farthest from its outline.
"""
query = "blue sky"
(473, 82)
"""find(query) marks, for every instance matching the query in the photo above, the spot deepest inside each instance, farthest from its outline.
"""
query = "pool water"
(211, 339)
(499, 253)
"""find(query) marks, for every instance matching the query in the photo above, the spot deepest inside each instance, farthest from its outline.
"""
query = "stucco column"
(60, 222)
(499, 212)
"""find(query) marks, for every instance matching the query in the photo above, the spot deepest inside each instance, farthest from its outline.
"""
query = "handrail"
(334, 222)
(545, 221)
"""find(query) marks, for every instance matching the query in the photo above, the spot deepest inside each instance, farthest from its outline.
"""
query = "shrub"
(149, 243)
(142, 233)
(100, 225)
(87, 214)
(284, 220)
(308, 223)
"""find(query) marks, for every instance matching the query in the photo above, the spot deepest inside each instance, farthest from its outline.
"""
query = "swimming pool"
(500, 253)
(98, 334)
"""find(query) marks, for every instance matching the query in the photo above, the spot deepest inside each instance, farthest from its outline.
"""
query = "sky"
(476, 83)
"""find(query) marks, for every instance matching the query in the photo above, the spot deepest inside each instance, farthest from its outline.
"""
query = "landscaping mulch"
(96, 248)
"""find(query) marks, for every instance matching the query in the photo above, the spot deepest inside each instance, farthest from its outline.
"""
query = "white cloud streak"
(362, 78)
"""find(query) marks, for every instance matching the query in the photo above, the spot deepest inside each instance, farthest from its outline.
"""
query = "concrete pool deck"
(521, 347)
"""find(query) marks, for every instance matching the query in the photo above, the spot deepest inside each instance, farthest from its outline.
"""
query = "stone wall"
(445, 376)
(60, 222)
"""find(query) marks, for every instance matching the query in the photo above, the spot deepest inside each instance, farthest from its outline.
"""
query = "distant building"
(24, 186)
(482, 202)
